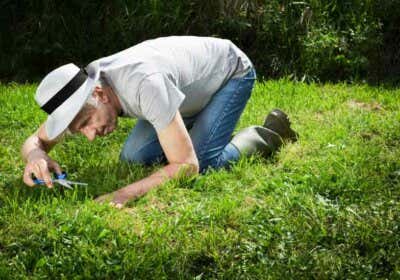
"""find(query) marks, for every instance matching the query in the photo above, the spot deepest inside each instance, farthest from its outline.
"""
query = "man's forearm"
(163, 175)
(37, 144)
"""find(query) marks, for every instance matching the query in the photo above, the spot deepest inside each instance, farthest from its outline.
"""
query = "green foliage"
(324, 207)
(312, 40)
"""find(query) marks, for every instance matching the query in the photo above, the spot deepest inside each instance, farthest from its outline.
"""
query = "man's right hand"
(40, 165)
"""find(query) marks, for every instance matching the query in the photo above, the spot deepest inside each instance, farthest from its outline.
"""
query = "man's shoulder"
(129, 73)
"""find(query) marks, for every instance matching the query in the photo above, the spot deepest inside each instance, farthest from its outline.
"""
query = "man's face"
(93, 122)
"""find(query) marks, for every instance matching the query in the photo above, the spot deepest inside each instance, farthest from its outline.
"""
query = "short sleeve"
(159, 100)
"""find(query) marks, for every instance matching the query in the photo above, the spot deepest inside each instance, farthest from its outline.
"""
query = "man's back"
(196, 66)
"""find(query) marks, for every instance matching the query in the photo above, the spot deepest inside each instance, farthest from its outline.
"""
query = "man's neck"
(115, 101)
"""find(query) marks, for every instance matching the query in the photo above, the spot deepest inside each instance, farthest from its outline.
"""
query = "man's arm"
(34, 152)
(178, 149)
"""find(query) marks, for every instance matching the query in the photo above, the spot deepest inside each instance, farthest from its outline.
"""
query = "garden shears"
(60, 179)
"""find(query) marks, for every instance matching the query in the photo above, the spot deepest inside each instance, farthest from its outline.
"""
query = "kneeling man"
(187, 94)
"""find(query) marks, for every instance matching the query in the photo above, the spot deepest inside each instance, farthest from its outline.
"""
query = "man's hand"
(40, 165)
(116, 199)
(34, 152)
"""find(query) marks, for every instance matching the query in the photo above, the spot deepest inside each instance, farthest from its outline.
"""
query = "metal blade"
(63, 183)
(75, 183)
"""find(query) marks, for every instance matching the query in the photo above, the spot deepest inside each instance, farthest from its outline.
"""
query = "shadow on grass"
(390, 84)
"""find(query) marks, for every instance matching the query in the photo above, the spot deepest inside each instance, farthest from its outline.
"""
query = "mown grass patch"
(324, 207)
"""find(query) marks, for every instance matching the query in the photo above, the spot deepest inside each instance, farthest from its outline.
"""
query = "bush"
(314, 40)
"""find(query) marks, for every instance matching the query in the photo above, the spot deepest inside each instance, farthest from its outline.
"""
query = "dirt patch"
(369, 135)
(374, 106)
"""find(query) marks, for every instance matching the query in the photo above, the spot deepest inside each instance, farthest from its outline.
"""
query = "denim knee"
(144, 157)
(133, 157)
(127, 155)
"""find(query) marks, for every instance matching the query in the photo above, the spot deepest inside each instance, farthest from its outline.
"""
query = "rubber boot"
(279, 122)
(257, 139)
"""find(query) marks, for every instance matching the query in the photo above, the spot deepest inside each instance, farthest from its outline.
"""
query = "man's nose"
(89, 133)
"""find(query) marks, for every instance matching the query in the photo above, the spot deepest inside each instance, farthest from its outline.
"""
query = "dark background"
(315, 40)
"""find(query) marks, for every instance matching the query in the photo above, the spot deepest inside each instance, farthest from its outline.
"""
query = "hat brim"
(60, 119)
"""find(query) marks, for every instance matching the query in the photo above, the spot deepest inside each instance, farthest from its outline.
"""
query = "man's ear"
(101, 94)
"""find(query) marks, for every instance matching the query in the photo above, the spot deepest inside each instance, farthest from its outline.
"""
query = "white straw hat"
(62, 94)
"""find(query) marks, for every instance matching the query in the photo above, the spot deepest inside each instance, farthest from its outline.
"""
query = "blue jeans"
(210, 130)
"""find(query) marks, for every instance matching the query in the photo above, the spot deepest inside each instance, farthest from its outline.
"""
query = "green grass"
(325, 207)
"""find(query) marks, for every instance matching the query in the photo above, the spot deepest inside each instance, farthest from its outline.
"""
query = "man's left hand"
(115, 199)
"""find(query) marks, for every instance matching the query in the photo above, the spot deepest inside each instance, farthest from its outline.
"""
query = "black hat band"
(64, 93)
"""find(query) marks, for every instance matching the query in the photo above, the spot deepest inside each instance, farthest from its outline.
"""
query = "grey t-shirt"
(156, 78)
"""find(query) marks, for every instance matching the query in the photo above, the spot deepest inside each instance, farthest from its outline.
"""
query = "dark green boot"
(279, 122)
(257, 139)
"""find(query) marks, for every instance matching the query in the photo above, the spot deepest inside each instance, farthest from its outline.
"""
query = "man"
(187, 94)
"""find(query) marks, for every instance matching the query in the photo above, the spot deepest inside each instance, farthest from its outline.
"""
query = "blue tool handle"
(61, 176)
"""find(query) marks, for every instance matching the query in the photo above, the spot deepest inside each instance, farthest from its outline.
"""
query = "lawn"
(325, 207)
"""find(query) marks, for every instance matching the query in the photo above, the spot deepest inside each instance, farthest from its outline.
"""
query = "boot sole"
(284, 122)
